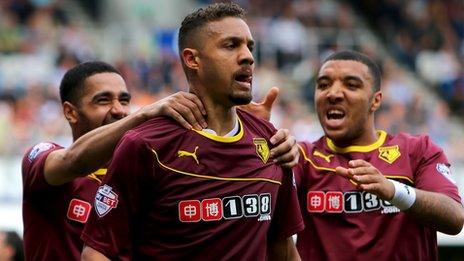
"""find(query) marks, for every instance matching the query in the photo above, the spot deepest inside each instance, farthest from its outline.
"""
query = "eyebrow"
(323, 77)
(125, 95)
(238, 39)
(346, 78)
(352, 77)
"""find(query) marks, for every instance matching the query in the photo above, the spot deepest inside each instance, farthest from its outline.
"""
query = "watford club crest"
(389, 154)
(261, 149)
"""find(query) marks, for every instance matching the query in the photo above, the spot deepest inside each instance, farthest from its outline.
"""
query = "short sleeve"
(433, 171)
(287, 219)
(110, 227)
(33, 166)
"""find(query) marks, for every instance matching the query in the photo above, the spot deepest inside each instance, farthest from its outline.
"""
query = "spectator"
(11, 246)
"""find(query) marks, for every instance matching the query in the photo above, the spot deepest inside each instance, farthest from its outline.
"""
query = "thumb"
(270, 98)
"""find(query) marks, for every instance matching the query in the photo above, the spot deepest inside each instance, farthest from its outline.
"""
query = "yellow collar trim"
(382, 136)
(196, 175)
(231, 139)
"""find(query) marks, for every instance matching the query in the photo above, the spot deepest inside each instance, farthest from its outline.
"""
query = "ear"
(376, 101)
(70, 112)
(191, 58)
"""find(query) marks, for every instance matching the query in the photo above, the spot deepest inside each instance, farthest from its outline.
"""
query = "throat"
(223, 131)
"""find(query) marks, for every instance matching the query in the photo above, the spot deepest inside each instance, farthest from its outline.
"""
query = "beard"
(86, 124)
(240, 99)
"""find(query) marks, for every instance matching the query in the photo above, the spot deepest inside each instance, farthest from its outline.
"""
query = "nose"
(246, 56)
(335, 92)
(119, 110)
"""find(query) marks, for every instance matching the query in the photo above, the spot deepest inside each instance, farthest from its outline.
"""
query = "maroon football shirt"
(54, 216)
(172, 193)
(343, 223)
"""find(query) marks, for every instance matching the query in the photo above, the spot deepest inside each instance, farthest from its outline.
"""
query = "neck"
(365, 139)
(75, 134)
(220, 117)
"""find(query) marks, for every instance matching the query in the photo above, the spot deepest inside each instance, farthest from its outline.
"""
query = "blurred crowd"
(428, 37)
(39, 41)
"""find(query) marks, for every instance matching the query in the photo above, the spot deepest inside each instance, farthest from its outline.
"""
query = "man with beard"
(177, 194)
(57, 187)
(366, 194)
(58, 190)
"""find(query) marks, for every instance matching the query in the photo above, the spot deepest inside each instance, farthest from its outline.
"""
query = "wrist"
(140, 116)
(404, 196)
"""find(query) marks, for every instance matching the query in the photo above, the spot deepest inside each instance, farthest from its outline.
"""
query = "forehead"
(229, 27)
(104, 82)
(344, 68)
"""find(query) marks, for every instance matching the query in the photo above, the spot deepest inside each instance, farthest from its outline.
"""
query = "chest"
(323, 191)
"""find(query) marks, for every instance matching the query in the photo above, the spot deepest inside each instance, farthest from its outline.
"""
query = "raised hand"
(186, 108)
(262, 109)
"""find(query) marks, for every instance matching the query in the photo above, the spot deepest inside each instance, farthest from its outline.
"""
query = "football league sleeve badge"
(105, 200)
(38, 149)
(444, 170)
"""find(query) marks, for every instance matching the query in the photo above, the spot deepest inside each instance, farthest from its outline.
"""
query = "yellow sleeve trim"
(212, 177)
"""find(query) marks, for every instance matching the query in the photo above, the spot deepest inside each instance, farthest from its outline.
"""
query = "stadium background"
(418, 43)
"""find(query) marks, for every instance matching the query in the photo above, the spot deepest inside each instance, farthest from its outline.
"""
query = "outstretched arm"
(95, 148)
(436, 210)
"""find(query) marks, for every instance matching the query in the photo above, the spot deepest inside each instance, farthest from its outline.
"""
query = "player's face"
(226, 62)
(105, 100)
(345, 101)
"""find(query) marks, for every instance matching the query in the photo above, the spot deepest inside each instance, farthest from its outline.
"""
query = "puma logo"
(325, 157)
(183, 153)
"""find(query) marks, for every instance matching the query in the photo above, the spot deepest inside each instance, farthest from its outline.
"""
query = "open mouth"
(334, 118)
(244, 78)
(335, 114)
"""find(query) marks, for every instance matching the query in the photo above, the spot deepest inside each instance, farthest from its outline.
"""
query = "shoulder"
(414, 142)
(33, 165)
(418, 147)
(308, 147)
(158, 130)
(155, 127)
(316, 153)
(160, 123)
(305, 147)
(40, 150)
(252, 122)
